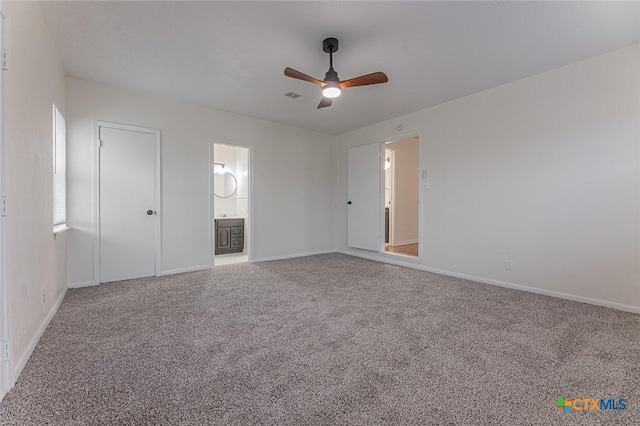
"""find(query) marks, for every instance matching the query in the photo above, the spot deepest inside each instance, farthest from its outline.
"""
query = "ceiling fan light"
(331, 91)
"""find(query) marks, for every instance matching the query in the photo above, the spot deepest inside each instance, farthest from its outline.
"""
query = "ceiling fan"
(332, 86)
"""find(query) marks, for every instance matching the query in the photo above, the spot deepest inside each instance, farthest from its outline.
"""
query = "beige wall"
(406, 185)
(544, 171)
(227, 155)
(37, 263)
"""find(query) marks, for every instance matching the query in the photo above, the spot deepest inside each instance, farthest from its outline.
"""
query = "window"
(59, 169)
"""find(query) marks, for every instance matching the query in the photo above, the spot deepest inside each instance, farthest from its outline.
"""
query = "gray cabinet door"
(223, 238)
(229, 236)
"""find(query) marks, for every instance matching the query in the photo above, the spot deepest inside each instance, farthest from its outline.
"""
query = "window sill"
(59, 229)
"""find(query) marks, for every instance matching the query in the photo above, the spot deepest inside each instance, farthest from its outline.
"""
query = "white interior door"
(363, 187)
(127, 204)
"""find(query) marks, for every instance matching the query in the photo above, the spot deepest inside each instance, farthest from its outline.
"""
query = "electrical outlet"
(44, 297)
(508, 264)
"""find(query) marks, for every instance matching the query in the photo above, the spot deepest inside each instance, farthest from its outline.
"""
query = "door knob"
(348, 202)
(149, 212)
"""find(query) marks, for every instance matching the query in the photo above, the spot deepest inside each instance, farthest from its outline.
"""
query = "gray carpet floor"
(328, 339)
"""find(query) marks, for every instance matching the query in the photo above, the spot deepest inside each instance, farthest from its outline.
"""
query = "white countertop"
(229, 217)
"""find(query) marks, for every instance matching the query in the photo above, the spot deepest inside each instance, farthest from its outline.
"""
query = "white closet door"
(363, 187)
(127, 204)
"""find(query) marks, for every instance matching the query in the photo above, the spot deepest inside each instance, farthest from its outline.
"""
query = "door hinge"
(4, 208)
(99, 143)
(5, 351)
(99, 259)
(5, 59)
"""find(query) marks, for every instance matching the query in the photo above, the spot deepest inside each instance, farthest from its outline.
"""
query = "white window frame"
(59, 170)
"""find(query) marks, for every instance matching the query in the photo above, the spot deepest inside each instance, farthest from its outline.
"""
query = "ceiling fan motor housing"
(331, 75)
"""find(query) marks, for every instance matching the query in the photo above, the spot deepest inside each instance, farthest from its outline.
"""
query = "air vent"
(296, 96)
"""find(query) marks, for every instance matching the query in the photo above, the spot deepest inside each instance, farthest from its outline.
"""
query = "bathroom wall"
(242, 176)
(225, 206)
(242, 196)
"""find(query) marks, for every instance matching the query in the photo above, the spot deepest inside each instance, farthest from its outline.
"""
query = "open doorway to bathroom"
(230, 170)
(401, 197)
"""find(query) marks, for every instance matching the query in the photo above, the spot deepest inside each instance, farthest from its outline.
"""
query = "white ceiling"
(231, 55)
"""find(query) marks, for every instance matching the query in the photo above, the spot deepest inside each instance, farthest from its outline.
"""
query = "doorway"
(6, 366)
(230, 171)
(128, 202)
(402, 197)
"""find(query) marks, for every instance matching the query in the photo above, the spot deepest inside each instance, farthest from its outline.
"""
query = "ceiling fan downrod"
(330, 45)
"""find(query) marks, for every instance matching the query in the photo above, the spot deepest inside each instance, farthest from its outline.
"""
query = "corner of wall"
(36, 273)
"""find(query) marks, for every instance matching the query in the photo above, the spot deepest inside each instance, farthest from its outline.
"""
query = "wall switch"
(44, 297)
(6, 354)
(508, 264)
(427, 185)
(424, 173)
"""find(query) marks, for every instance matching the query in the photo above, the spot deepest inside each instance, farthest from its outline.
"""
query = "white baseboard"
(545, 292)
(292, 256)
(82, 284)
(183, 270)
(405, 243)
(161, 274)
(17, 369)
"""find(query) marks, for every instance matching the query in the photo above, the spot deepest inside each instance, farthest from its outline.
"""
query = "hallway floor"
(407, 249)
(230, 259)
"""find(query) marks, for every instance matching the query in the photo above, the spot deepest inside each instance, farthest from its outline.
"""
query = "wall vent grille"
(295, 96)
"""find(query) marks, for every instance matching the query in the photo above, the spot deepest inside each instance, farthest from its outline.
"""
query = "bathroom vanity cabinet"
(229, 235)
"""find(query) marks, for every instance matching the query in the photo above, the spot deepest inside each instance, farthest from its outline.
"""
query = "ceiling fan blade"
(365, 80)
(290, 72)
(325, 102)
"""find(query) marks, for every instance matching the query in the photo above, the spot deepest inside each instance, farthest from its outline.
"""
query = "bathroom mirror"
(224, 185)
